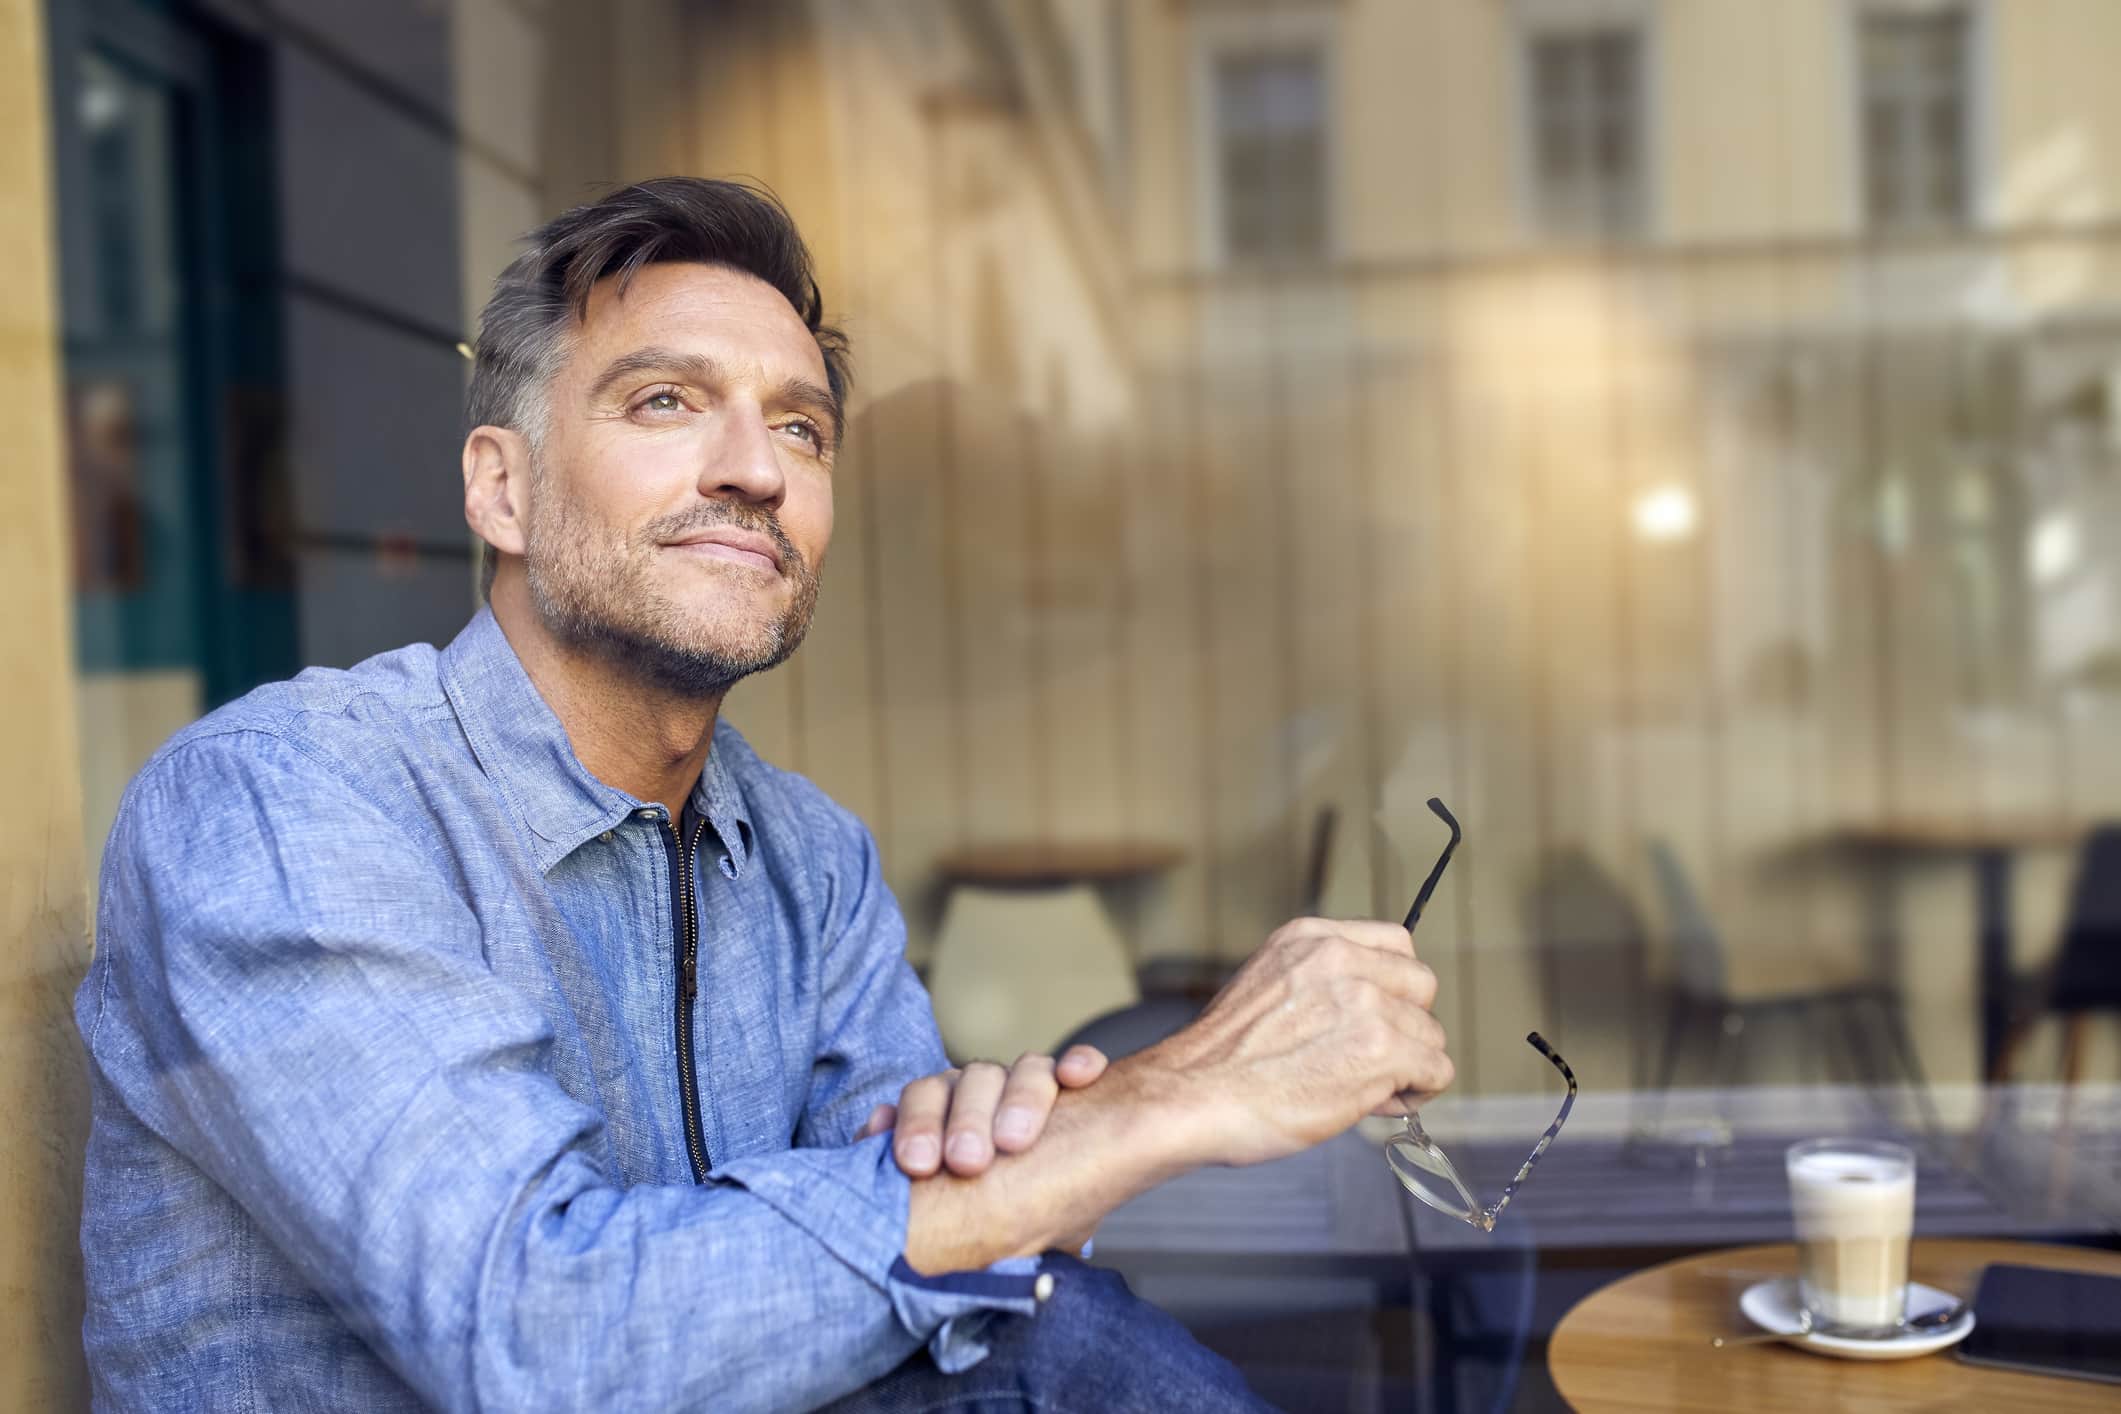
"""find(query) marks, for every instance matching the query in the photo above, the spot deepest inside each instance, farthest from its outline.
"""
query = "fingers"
(1406, 978)
(918, 1145)
(880, 1119)
(1034, 1083)
(1377, 933)
(1407, 1040)
(1080, 1066)
(961, 1118)
(1435, 1074)
(1027, 1099)
(1422, 1065)
(968, 1143)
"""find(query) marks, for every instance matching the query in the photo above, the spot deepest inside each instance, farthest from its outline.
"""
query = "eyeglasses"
(1416, 1158)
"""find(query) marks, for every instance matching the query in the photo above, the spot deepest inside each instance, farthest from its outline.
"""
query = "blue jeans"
(1093, 1347)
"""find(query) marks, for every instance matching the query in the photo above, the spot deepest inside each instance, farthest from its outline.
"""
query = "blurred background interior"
(1684, 436)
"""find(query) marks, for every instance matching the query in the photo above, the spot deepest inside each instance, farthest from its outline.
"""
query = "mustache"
(756, 519)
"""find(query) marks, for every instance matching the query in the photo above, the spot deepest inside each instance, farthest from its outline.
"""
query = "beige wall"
(42, 907)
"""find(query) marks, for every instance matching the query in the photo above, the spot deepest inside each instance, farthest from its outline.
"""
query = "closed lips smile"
(737, 547)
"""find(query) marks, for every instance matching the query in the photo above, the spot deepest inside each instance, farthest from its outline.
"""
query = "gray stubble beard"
(580, 592)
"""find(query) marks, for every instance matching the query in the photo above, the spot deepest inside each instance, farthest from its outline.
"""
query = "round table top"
(1031, 863)
(1642, 1343)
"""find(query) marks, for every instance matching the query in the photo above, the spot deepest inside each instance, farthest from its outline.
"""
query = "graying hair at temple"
(524, 328)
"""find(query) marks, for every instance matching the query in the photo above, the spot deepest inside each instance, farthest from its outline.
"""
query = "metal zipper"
(688, 964)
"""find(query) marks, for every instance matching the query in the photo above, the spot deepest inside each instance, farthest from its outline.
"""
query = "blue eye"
(662, 402)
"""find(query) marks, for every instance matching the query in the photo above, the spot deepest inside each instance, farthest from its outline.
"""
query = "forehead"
(708, 309)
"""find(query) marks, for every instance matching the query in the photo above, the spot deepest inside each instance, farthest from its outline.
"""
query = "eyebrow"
(796, 392)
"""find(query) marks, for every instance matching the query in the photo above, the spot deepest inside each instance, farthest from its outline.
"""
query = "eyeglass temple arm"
(1509, 1190)
(1411, 1098)
(1428, 885)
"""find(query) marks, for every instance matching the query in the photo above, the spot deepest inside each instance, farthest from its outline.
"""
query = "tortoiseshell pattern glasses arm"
(1416, 1159)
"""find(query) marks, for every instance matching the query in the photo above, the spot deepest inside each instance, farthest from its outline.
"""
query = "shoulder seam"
(323, 763)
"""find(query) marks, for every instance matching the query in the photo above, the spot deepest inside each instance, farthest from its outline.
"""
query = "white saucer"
(1772, 1305)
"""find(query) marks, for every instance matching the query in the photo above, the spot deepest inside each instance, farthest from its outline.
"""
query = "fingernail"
(966, 1149)
(920, 1153)
(1012, 1125)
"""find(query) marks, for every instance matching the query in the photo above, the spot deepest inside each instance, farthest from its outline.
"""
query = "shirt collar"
(720, 797)
(524, 751)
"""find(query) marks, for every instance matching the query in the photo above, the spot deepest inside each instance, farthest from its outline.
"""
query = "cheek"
(618, 493)
(806, 517)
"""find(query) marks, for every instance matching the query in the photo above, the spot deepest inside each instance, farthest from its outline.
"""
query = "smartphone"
(2047, 1323)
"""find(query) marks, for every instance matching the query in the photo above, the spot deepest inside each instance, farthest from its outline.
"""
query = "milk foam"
(1851, 1195)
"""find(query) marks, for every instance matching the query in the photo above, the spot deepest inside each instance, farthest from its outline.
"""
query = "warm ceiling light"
(1665, 513)
(2054, 547)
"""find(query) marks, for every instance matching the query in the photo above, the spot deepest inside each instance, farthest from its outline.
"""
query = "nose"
(742, 462)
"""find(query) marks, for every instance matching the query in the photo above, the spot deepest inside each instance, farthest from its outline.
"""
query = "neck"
(629, 734)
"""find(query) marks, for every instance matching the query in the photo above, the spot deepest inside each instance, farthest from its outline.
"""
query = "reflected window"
(1916, 82)
(1271, 154)
(1587, 133)
(181, 514)
(126, 413)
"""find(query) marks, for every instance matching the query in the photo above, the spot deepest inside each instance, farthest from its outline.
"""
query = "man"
(490, 1028)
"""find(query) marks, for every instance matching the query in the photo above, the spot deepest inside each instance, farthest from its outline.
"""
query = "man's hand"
(1326, 1023)
(962, 1117)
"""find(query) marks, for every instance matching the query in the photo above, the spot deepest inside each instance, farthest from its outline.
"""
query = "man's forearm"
(1326, 1023)
(1129, 1132)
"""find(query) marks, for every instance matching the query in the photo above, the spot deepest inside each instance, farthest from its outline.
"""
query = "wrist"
(1151, 1129)
(1173, 1118)
(1139, 1125)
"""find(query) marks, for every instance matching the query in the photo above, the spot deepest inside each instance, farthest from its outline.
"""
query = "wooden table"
(1036, 863)
(1992, 844)
(1642, 1343)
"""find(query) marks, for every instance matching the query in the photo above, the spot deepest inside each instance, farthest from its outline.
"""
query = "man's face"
(682, 500)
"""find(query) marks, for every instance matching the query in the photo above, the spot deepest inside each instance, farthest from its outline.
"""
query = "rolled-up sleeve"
(290, 992)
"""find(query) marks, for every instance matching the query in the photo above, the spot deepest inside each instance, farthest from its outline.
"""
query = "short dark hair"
(523, 330)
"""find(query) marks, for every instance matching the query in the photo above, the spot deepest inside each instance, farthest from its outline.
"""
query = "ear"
(497, 487)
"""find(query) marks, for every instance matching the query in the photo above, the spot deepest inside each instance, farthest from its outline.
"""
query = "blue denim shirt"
(384, 1038)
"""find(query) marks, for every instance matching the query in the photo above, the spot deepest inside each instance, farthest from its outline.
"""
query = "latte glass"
(1854, 1202)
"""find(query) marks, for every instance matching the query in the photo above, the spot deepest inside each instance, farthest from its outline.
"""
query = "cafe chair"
(1013, 969)
(1865, 1017)
(1127, 1029)
(1595, 944)
(1173, 990)
(2085, 977)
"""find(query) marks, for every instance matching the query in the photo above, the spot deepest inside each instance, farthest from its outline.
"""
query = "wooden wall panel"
(1166, 662)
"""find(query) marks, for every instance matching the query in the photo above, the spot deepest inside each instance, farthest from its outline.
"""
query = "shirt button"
(606, 837)
(649, 814)
(1042, 1289)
